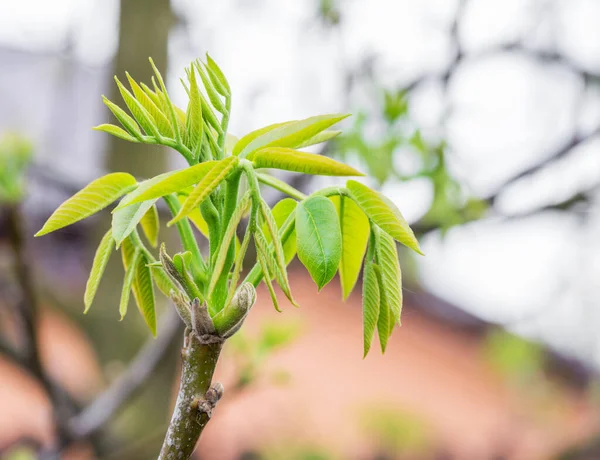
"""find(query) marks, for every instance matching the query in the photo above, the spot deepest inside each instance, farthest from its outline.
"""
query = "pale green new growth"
(371, 305)
(303, 162)
(391, 280)
(206, 186)
(331, 230)
(384, 213)
(355, 236)
(150, 225)
(93, 198)
(384, 321)
(124, 221)
(318, 238)
(98, 266)
(281, 211)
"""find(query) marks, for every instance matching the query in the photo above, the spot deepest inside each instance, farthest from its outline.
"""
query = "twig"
(562, 152)
(95, 416)
(27, 310)
(9, 352)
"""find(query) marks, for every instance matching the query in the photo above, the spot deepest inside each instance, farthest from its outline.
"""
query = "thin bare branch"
(26, 311)
(100, 411)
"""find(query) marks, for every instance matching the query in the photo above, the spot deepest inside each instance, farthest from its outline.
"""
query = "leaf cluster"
(332, 230)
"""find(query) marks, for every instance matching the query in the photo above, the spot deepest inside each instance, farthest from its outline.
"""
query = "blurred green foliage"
(516, 359)
(329, 12)
(450, 205)
(20, 453)
(523, 366)
(15, 156)
(396, 432)
(291, 450)
(250, 352)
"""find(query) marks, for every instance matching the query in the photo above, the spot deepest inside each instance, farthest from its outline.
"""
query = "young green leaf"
(217, 76)
(136, 259)
(318, 238)
(182, 124)
(115, 131)
(162, 281)
(206, 186)
(244, 141)
(167, 183)
(267, 265)
(209, 117)
(280, 262)
(385, 322)
(212, 141)
(303, 162)
(144, 293)
(166, 104)
(391, 278)
(196, 217)
(239, 261)
(98, 266)
(150, 103)
(384, 213)
(281, 211)
(128, 282)
(355, 236)
(194, 122)
(217, 83)
(188, 241)
(169, 268)
(263, 248)
(125, 220)
(226, 240)
(150, 225)
(292, 134)
(182, 262)
(323, 136)
(213, 95)
(94, 197)
(268, 275)
(128, 123)
(153, 96)
(230, 141)
(371, 302)
(280, 185)
(127, 250)
(138, 111)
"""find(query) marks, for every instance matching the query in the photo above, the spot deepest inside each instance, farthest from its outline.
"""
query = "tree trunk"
(143, 32)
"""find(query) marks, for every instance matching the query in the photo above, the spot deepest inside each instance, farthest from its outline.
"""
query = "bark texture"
(196, 397)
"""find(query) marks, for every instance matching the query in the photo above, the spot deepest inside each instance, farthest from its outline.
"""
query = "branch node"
(202, 323)
(208, 339)
(206, 404)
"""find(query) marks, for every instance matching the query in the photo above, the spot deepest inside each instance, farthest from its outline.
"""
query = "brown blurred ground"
(429, 371)
(435, 374)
